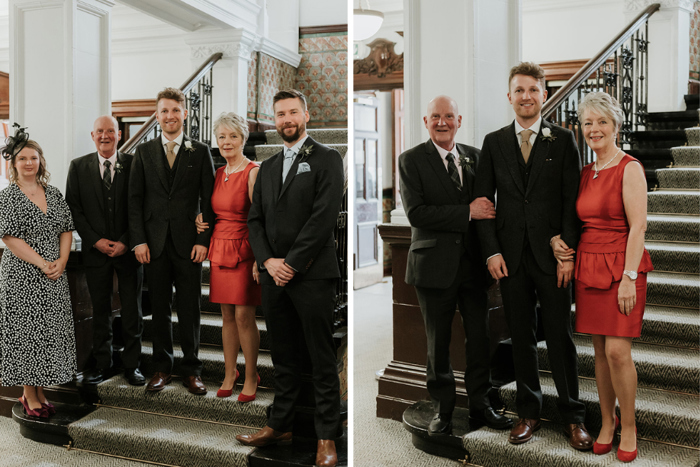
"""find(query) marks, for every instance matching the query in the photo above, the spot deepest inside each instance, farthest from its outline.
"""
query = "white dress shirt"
(112, 160)
(177, 141)
(443, 154)
(535, 128)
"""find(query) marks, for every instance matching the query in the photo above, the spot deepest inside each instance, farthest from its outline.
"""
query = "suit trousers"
(520, 292)
(468, 292)
(100, 282)
(302, 313)
(162, 272)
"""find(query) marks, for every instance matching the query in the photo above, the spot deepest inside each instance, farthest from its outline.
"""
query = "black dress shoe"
(441, 424)
(490, 418)
(134, 376)
(95, 376)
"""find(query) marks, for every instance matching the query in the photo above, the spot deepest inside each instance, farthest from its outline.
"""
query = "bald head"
(443, 121)
(105, 134)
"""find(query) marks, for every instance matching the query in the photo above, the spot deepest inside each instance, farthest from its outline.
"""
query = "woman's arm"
(57, 267)
(23, 251)
(252, 175)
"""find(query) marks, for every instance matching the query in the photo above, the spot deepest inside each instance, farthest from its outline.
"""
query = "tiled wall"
(266, 76)
(695, 43)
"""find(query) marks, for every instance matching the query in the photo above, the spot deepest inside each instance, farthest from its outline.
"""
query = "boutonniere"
(188, 146)
(305, 152)
(118, 167)
(547, 135)
(466, 162)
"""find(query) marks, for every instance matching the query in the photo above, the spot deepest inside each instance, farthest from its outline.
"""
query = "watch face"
(631, 274)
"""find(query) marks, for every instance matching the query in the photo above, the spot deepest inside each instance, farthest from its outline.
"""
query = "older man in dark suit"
(97, 193)
(296, 201)
(172, 179)
(533, 168)
(444, 261)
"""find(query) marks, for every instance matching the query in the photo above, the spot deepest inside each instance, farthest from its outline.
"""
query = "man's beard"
(295, 136)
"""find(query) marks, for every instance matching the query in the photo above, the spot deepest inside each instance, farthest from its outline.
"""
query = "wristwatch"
(631, 274)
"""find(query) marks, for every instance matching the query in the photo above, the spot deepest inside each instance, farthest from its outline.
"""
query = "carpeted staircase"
(173, 426)
(667, 354)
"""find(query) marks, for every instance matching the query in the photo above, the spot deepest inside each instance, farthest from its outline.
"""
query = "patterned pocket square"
(303, 167)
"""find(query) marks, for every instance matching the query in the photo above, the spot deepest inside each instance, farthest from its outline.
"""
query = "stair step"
(693, 136)
(549, 447)
(675, 257)
(679, 120)
(674, 202)
(686, 156)
(674, 228)
(669, 368)
(266, 151)
(658, 139)
(322, 135)
(670, 326)
(679, 178)
(155, 438)
(671, 289)
(660, 415)
(175, 400)
(692, 101)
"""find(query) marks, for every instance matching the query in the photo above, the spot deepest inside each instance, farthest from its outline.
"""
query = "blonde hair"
(42, 176)
(604, 104)
(233, 121)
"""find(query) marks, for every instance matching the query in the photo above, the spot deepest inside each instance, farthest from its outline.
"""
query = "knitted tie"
(288, 161)
(170, 154)
(452, 170)
(525, 146)
(107, 175)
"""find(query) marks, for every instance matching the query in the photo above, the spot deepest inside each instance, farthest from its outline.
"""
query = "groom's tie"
(525, 146)
(288, 161)
(170, 155)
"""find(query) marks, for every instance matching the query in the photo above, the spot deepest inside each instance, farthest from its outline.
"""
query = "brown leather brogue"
(194, 385)
(266, 437)
(523, 430)
(578, 436)
(326, 455)
(159, 381)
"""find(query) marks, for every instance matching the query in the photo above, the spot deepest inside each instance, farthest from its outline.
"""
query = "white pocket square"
(303, 167)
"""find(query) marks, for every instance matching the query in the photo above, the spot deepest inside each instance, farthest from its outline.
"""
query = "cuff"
(487, 259)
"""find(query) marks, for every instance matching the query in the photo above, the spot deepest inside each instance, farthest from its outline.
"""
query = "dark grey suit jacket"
(544, 208)
(438, 213)
(295, 220)
(155, 208)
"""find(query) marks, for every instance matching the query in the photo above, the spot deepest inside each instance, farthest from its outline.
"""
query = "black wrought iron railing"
(198, 91)
(620, 69)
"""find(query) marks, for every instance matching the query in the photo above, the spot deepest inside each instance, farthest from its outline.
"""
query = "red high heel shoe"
(599, 448)
(42, 413)
(228, 392)
(627, 456)
(50, 408)
(246, 398)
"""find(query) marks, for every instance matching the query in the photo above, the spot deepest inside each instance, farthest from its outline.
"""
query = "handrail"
(593, 64)
(150, 124)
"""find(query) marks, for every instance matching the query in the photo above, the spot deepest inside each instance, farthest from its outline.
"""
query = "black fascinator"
(14, 144)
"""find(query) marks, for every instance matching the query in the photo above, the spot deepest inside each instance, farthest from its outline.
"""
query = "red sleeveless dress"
(600, 256)
(231, 257)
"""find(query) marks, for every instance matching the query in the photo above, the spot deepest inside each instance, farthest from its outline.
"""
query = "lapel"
(94, 177)
(435, 162)
(275, 172)
(295, 165)
(508, 143)
(539, 154)
(157, 153)
(120, 179)
(468, 174)
(183, 160)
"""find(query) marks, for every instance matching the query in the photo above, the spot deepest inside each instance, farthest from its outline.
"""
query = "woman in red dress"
(234, 279)
(611, 267)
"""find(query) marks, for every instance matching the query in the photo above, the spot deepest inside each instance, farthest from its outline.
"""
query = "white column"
(669, 49)
(60, 75)
(465, 49)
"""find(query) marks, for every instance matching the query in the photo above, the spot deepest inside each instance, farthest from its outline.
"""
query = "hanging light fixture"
(366, 22)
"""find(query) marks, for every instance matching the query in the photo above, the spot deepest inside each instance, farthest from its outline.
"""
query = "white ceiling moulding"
(366, 22)
(191, 15)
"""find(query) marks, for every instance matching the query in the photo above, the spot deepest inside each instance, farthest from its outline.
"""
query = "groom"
(296, 201)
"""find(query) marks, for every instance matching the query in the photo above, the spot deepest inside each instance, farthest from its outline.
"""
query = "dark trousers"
(100, 282)
(303, 310)
(520, 292)
(468, 293)
(163, 271)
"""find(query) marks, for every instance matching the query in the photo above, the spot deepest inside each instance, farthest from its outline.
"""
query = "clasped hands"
(54, 269)
(280, 271)
(110, 248)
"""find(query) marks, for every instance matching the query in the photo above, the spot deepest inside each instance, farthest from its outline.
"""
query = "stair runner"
(667, 353)
(173, 426)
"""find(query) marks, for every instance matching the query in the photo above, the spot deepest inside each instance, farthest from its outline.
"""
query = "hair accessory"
(14, 144)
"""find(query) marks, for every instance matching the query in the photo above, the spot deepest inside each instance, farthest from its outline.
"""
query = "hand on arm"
(201, 225)
(482, 208)
(561, 250)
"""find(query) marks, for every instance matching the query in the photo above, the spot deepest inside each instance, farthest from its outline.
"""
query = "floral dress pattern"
(37, 337)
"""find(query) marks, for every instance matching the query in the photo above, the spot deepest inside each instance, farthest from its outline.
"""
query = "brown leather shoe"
(523, 430)
(578, 436)
(195, 385)
(265, 437)
(325, 453)
(158, 382)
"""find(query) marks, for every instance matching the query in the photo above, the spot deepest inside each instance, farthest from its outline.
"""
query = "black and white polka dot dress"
(37, 338)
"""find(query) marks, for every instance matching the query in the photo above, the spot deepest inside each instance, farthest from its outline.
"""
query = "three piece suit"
(101, 211)
(536, 200)
(163, 205)
(295, 220)
(445, 266)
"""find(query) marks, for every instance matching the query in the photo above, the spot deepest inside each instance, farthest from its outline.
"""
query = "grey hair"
(604, 104)
(233, 121)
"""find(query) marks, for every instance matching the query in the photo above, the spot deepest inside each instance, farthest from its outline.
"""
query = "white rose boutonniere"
(547, 135)
(188, 146)
(305, 152)
(118, 167)
(466, 162)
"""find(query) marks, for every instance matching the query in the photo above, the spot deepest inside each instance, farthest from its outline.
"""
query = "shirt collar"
(297, 146)
(535, 126)
(443, 152)
(178, 140)
(112, 159)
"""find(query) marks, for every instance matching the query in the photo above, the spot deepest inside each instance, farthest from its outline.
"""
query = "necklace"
(228, 174)
(29, 193)
(595, 164)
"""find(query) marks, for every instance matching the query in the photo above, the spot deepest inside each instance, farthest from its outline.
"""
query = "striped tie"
(107, 175)
(452, 170)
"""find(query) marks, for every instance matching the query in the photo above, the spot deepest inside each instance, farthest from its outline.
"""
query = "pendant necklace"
(595, 164)
(228, 174)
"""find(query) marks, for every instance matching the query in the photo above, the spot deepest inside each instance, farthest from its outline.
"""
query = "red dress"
(230, 254)
(600, 257)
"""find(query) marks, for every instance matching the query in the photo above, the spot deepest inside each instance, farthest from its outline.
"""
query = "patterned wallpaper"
(266, 76)
(252, 84)
(695, 43)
